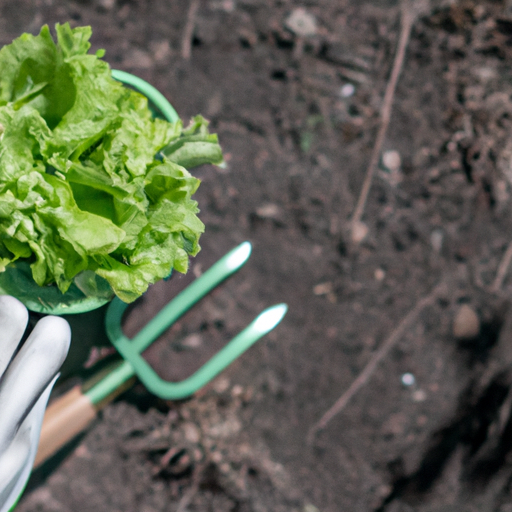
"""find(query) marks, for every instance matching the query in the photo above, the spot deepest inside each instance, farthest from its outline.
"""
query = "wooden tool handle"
(64, 419)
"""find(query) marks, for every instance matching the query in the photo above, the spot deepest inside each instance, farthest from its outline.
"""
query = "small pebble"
(225, 468)
(140, 59)
(419, 395)
(108, 5)
(379, 274)
(83, 452)
(221, 385)
(466, 324)
(191, 432)
(347, 90)
(301, 23)
(224, 5)
(192, 341)
(436, 240)
(323, 288)
(197, 270)
(216, 457)
(268, 211)
(408, 379)
(484, 73)
(237, 390)
(391, 160)
(395, 424)
(359, 232)
(383, 490)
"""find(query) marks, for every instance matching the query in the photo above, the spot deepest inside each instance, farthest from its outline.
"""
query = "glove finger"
(13, 321)
(30, 372)
(12, 466)
(16, 466)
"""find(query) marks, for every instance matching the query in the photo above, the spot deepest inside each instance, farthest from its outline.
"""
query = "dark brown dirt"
(297, 149)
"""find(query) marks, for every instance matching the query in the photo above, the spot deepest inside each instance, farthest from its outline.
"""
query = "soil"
(297, 116)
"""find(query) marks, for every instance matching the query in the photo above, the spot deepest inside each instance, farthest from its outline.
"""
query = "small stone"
(347, 90)
(216, 457)
(237, 390)
(225, 429)
(191, 432)
(192, 341)
(436, 240)
(223, 5)
(359, 232)
(379, 274)
(108, 5)
(419, 395)
(221, 385)
(197, 270)
(268, 211)
(225, 468)
(466, 324)
(139, 59)
(323, 288)
(83, 452)
(408, 379)
(383, 490)
(391, 160)
(484, 73)
(395, 424)
(161, 50)
(301, 23)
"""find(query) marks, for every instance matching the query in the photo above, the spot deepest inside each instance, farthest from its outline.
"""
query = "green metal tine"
(131, 349)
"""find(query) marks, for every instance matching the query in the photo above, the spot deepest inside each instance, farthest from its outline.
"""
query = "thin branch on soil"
(378, 356)
(407, 21)
(188, 32)
(501, 273)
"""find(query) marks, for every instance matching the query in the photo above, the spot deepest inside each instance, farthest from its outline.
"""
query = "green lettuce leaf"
(196, 146)
(95, 195)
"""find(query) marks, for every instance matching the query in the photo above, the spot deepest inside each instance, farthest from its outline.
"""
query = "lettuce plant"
(94, 191)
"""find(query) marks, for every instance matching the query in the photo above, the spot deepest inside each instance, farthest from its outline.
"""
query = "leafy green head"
(91, 184)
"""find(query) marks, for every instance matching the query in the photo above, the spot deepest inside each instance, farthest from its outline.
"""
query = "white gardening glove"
(25, 384)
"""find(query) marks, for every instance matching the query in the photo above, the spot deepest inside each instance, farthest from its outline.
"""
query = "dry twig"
(408, 16)
(501, 273)
(378, 356)
(188, 32)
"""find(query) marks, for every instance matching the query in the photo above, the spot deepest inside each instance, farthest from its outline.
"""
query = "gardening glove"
(27, 376)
